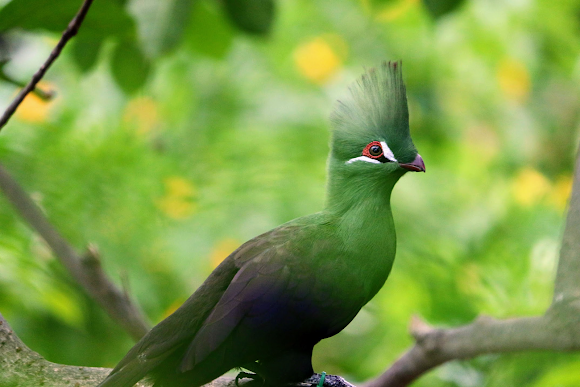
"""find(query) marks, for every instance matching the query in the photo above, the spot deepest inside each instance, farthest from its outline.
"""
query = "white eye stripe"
(363, 158)
(388, 152)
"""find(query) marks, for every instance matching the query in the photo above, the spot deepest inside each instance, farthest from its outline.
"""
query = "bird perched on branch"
(268, 303)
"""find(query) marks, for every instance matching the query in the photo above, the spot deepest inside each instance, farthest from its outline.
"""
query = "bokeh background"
(182, 128)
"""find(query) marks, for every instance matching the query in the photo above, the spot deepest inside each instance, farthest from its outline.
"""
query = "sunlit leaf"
(564, 375)
(63, 305)
(208, 32)
(393, 10)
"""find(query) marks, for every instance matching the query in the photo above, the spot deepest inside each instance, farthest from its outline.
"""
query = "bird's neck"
(350, 193)
(365, 224)
(362, 203)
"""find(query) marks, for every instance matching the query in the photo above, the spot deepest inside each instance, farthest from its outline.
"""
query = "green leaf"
(438, 8)
(251, 16)
(208, 33)
(162, 23)
(129, 66)
(85, 50)
(106, 17)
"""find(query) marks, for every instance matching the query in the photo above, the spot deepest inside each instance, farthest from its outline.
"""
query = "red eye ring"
(373, 150)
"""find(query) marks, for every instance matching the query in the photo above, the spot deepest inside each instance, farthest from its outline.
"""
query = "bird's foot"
(256, 379)
(329, 381)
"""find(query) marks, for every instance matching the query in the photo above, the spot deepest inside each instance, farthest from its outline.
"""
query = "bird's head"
(371, 144)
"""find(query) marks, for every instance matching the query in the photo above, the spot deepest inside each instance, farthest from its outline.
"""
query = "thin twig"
(40, 93)
(70, 31)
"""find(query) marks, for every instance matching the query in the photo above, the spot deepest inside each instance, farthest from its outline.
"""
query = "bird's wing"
(286, 292)
(174, 331)
(180, 327)
(260, 282)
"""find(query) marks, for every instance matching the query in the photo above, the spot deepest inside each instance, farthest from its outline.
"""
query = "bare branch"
(22, 367)
(567, 286)
(70, 31)
(86, 271)
(557, 330)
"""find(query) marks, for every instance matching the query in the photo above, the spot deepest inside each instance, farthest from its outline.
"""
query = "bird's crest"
(376, 109)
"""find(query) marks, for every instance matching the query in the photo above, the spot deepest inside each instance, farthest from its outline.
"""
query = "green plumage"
(375, 109)
(277, 295)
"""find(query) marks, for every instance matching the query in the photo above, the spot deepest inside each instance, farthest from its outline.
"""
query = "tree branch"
(71, 30)
(567, 286)
(22, 367)
(86, 270)
(557, 330)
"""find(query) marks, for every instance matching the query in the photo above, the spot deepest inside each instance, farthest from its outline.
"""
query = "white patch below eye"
(388, 152)
(363, 158)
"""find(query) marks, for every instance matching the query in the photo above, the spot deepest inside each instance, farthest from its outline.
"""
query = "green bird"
(271, 300)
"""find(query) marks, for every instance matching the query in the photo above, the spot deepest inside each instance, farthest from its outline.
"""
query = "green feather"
(376, 110)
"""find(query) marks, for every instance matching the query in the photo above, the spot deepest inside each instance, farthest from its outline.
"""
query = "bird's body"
(267, 304)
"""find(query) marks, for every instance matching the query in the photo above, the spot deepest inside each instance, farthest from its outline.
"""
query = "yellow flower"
(514, 79)
(142, 112)
(178, 199)
(33, 108)
(530, 187)
(320, 58)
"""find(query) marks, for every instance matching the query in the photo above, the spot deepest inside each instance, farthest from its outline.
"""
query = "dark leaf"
(252, 16)
(438, 8)
(129, 66)
(106, 17)
(85, 50)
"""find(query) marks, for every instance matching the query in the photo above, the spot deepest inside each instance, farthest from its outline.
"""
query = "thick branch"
(557, 330)
(433, 347)
(87, 270)
(567, 286)
(22, 367)
(70, 31)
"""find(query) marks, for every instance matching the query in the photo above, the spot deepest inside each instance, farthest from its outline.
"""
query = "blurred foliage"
(177, 134)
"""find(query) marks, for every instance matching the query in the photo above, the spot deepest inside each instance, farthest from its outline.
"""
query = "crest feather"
(376, 108)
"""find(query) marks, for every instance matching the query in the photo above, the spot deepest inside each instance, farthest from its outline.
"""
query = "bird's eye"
(374, 150)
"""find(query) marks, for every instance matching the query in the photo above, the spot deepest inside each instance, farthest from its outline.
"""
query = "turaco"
(271, 300)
